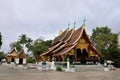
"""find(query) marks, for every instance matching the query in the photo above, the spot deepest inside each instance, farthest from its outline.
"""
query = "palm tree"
(25, 41)
(16, 45)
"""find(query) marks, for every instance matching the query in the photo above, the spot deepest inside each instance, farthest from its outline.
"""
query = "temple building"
(74, 44)
(16, 57)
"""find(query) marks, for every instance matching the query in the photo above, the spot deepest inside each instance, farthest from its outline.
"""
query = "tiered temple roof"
(67, 41)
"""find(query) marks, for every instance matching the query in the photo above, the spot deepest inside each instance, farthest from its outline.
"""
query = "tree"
(16, 45)
(29, 44)
(1, 55)
(39, 46)
(116, 58)
(23, 42)
(0, 40)
(105, 41)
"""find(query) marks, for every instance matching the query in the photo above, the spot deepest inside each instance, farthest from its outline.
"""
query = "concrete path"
(33, 74)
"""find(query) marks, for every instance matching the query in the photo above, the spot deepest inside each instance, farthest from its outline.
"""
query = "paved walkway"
(33, 74)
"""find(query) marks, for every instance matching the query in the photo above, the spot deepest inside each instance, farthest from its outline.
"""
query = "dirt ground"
(33, 74)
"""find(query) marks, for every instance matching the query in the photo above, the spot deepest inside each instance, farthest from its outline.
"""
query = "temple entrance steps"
(98, 67)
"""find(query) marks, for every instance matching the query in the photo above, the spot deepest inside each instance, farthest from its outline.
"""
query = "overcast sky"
(45, 18)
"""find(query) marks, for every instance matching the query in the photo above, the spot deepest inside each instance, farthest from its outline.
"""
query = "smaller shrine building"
(16, 57)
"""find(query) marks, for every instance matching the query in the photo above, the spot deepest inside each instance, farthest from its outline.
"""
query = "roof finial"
(68, 26)
(74, 25)
(84, 22)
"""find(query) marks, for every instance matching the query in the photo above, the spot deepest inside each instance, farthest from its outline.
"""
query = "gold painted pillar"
(63, 57)
(48, 58)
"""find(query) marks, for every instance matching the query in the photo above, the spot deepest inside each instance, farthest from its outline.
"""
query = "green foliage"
(0, 40)
(25, 41)
(105, 41)
(22, 42)
(1, 55)
(58, 68)
(29, 44)
(116, 58)
(39, 46)
(16, 45)
(31, 60)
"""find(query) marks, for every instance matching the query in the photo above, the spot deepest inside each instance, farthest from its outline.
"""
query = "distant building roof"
(15, 53)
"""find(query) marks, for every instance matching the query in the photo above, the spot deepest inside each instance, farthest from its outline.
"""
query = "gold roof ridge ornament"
(60, 32)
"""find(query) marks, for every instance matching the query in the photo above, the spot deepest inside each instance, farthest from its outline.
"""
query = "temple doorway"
(82, 55)
(21, 61)
(13, 59)
(79, 54)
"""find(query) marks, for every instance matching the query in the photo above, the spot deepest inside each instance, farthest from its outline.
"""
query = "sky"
(45, 18)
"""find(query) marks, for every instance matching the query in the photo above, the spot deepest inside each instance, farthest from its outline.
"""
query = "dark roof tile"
(75, 36)
(68, 36)
(60, 37)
